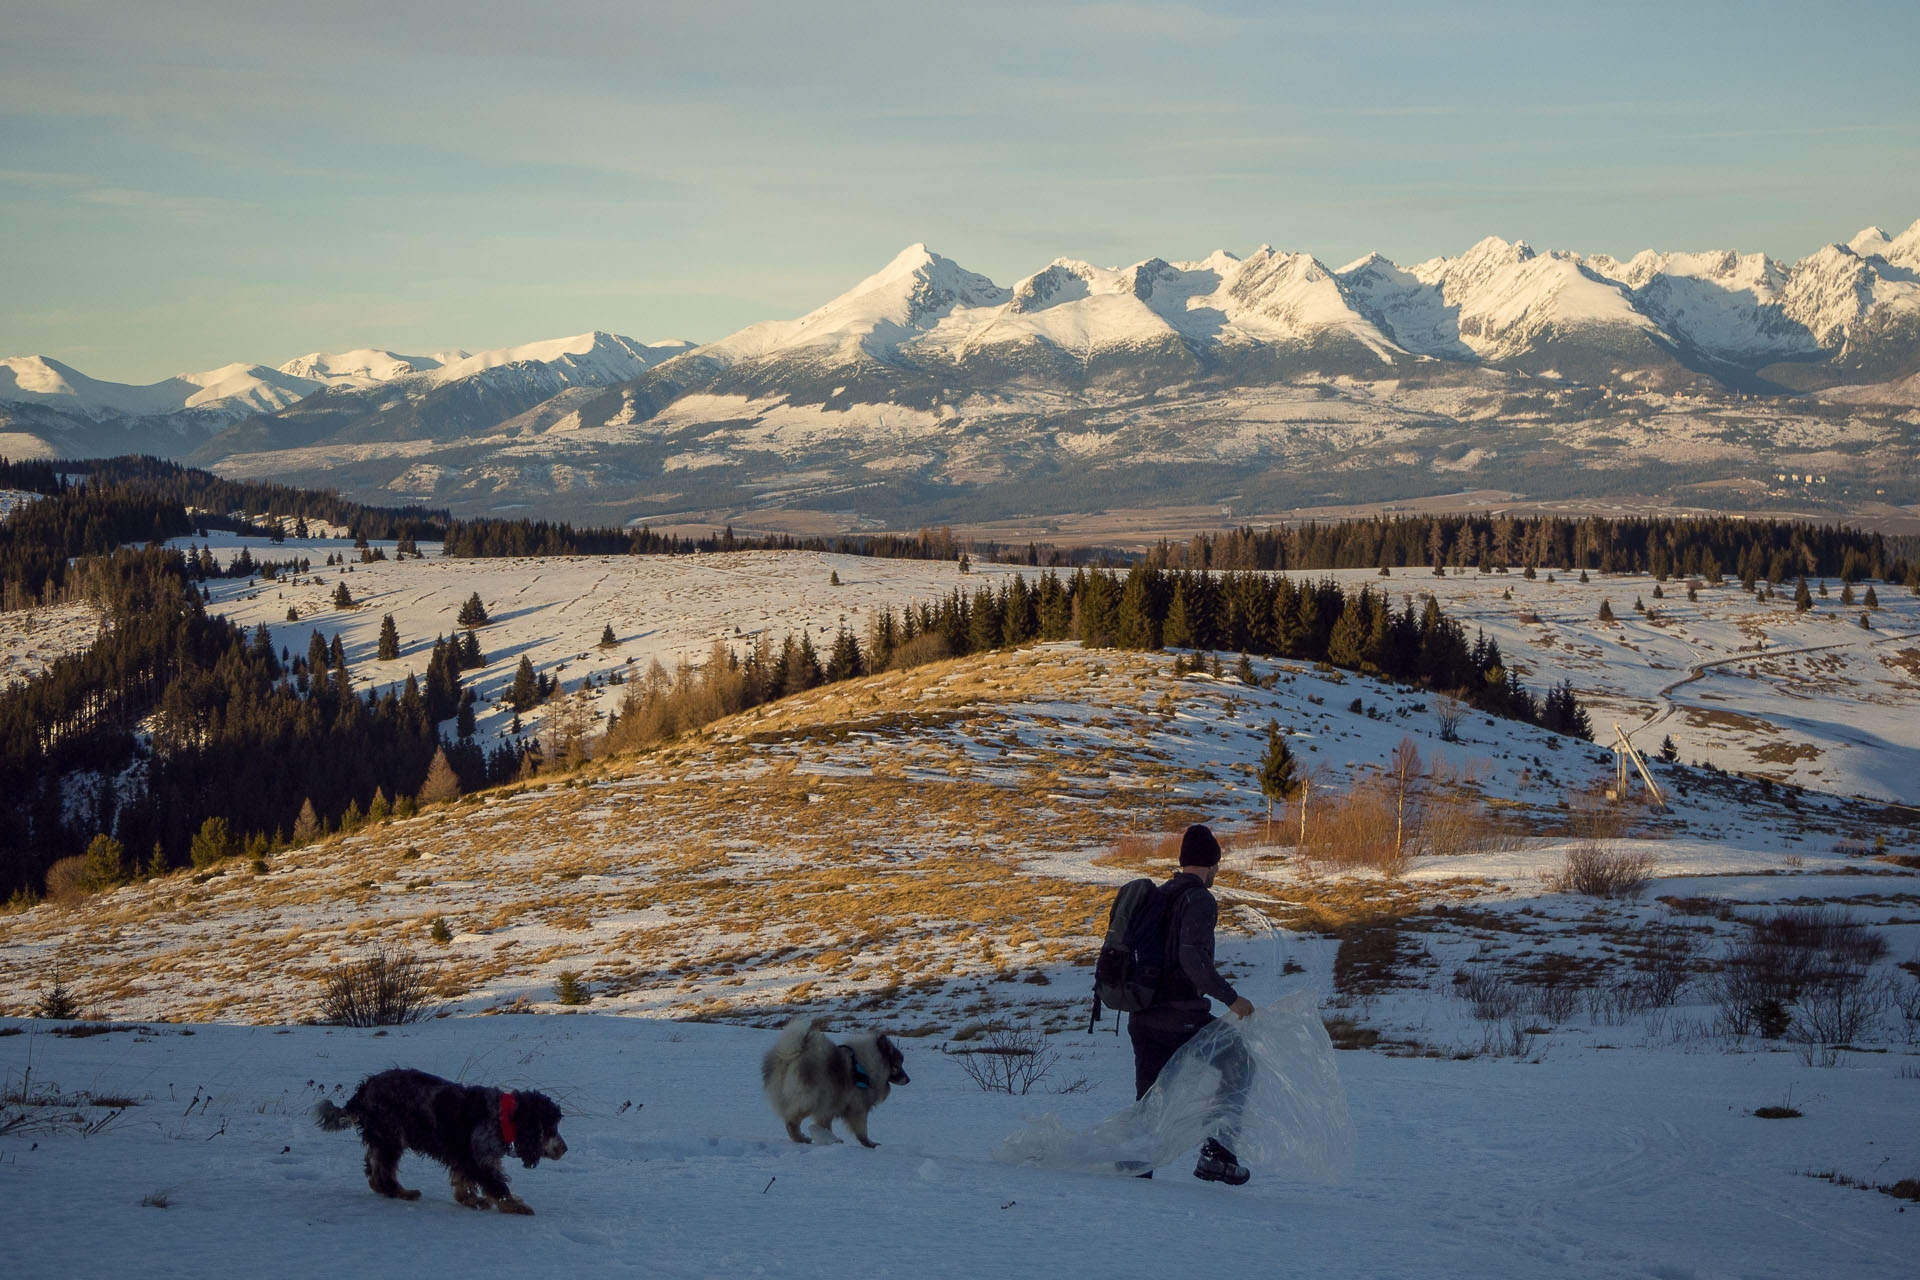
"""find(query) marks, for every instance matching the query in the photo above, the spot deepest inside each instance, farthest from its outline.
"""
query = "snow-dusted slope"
(1727, 304)
(902, 301)
(364, 367)
(1837, 291)
(587, 359)
(1506, 300)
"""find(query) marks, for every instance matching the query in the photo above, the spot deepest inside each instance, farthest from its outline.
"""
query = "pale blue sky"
(188, 182)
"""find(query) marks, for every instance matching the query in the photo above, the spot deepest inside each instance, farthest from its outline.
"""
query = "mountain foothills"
(1261, 384)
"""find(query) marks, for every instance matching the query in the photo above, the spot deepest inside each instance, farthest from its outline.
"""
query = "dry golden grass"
(726, 875)
(1361, 828)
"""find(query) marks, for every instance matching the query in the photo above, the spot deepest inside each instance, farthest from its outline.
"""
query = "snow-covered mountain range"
(926, 381)
(39, 392)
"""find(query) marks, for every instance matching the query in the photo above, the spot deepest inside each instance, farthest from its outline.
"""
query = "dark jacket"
(1191, 976)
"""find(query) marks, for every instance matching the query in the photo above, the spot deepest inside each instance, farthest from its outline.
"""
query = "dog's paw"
(406, 1193)
(824, 1137)
(868, 1143)
(513, 1204)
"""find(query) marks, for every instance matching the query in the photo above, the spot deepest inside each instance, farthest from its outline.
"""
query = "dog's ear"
(536, 1118)
(895, 1060)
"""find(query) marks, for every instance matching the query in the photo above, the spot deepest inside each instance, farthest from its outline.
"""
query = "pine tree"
(473, 613)
(607, 639)
(106, 864)
(389, 640)
(1277, 780)
(1350, 634)
(525, 694)
(212, 843)
(441, 784)
(844, 663)
(306, 827)
(1178, 631)
(342, 598)
(1134, 626)
(1606, 611)
(1668, 751)
(1802, 598)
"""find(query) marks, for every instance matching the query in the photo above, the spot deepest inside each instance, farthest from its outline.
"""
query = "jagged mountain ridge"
(928, 386)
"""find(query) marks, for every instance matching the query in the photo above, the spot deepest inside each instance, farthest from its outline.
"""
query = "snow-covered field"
(1633, 1162)
(929, 850)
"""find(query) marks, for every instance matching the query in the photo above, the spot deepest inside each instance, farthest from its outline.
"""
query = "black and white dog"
(807, 1076)
(467, 1128)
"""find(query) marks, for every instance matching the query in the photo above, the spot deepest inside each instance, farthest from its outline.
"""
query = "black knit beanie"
(1198, 848)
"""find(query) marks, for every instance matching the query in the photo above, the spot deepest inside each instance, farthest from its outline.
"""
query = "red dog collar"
(507, 1104)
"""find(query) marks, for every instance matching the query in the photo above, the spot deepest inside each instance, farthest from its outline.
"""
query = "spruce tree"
(106, 864)
(389, 640)
(1277, 780)
(607, 639)
(525, 694)
(473, 613)
(212, 843)
(1178, 631)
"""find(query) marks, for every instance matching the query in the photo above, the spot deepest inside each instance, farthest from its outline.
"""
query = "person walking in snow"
(1179, 1013)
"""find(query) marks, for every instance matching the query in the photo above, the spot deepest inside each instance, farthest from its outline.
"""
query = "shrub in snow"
(1805, 970)
(1596, 871)
(388, 988)
(1011, 1060)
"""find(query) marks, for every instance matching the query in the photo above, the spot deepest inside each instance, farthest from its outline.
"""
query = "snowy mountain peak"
(1904, 249)
(364, 367)
(1870, 242)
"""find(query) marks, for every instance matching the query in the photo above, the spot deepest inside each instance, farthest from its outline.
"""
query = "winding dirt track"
(1699, 669)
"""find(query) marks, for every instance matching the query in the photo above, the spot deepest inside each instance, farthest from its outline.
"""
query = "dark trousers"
(1154, 1044)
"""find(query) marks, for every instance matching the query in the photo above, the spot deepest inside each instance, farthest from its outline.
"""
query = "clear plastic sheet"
(1266, 1085)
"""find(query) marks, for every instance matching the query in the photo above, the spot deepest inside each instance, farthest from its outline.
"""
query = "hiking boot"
(1217, 1164)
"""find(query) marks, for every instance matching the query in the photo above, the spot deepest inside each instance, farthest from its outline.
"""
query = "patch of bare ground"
(1905, 660)
(1731, 721)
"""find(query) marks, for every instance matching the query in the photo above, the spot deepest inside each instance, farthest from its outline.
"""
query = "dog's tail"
(793, 1037)
(332, 1118)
